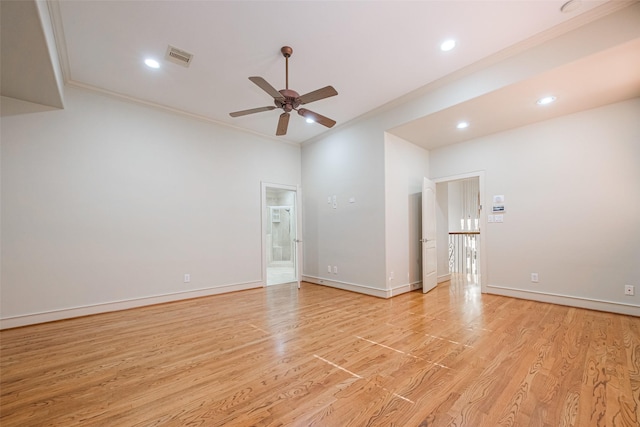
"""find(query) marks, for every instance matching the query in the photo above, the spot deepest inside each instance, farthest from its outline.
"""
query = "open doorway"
(459, 220)
(281, 241)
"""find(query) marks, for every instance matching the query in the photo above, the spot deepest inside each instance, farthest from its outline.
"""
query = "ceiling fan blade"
(317, 95)
(265, 86)
(283, 124)
(251, 111)
(318, 118)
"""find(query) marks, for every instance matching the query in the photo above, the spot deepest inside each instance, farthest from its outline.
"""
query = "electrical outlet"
(328, 269)
(534, 277)
(187, 278)
(629, 290)
(335, 269)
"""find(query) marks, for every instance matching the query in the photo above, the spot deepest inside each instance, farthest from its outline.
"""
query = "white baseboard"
(407, 287)
(444, 278)
(68, 313)
(571, 301)
(363, 289)
(49, 316)
(353, 287)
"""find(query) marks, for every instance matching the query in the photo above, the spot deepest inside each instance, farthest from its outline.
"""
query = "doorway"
(280, 234)
(459, 227)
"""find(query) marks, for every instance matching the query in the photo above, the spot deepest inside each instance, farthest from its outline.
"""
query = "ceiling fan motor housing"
(291, 100)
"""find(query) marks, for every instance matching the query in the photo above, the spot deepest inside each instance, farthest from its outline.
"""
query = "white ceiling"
(372, 52)
(603, 78)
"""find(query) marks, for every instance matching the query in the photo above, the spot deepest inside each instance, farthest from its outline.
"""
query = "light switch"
(352, 199)
(499, 218)
(490, 218)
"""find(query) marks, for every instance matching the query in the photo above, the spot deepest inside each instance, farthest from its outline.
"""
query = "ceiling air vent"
(179, 56)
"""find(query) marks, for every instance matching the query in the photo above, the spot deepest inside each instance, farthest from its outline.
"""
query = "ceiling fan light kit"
(289, 100)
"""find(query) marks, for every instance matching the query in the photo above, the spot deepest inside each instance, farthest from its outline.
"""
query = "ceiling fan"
(289, 100)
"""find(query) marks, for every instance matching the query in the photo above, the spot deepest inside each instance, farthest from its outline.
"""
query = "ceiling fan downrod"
(286, 52)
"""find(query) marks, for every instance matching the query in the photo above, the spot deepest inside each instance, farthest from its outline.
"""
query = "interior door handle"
(423, 240)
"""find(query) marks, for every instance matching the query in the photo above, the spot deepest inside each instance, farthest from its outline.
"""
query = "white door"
(429, 252)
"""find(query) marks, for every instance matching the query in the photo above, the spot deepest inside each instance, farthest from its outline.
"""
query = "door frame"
(483, 277)
(263, 216)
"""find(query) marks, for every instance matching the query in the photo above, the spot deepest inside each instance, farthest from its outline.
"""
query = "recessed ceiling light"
(151, 63)
(447, 45)
(462, 125)
(546, 100)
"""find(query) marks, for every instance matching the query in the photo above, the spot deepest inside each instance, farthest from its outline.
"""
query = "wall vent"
(178, 56)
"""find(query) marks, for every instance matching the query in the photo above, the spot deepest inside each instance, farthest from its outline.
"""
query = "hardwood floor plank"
(631, 340)
(325, 357)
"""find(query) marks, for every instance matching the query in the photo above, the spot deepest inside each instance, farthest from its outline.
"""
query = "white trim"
(60, 39)
(458, 177)
(346, 286)
(132, 100)
(364, 289)
(407, 287)
(446, 277)
(568, 300)
(68, 313)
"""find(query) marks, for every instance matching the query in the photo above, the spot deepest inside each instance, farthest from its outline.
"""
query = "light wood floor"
(325, 357)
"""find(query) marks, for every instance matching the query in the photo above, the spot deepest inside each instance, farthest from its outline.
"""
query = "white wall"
(376, 234)
(573, 206)
(463, 204)
(405, 167)
(454, 191)
(349, 163)
(106, 204)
